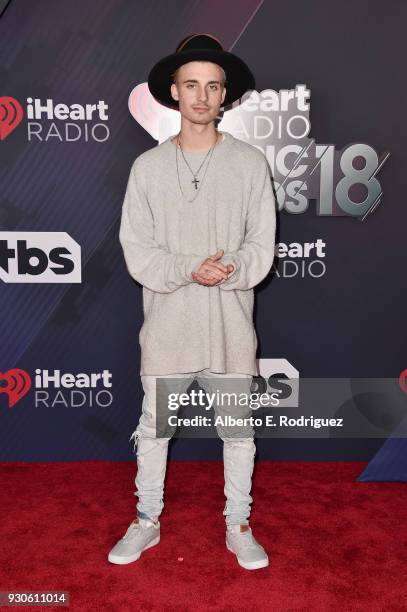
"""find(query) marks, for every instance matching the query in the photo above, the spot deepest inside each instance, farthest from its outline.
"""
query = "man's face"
(199, 91)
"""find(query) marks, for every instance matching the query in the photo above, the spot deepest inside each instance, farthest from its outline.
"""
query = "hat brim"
(239, 77)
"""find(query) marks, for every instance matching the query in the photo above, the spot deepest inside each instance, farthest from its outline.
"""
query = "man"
(198, 246)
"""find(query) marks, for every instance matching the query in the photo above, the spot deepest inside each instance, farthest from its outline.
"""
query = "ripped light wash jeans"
(239, 448)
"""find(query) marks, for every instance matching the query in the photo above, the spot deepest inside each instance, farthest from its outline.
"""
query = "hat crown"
(199, 41)
(200, 47)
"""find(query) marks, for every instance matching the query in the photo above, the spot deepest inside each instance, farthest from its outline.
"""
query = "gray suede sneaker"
(141, 534)
(250, 554)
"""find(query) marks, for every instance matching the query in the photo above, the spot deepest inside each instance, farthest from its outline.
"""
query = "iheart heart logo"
(158, 120)
(11, 114)
(18, 383)
(402, 380)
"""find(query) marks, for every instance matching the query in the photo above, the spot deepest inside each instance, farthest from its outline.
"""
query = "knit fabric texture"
(187, 326)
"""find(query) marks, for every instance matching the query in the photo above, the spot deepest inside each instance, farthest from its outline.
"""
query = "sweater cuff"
(228, 258)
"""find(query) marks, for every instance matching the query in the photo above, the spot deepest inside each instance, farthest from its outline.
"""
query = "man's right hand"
(211, 272)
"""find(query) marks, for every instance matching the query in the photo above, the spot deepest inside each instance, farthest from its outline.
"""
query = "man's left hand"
(208, 280)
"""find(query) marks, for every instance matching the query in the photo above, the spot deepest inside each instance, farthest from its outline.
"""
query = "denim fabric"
(239, 448)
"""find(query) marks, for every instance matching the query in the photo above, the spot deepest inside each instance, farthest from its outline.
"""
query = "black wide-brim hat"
(200, 47)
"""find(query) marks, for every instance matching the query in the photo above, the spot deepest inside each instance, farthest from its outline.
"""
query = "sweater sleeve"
(253, 260)
(152, 265)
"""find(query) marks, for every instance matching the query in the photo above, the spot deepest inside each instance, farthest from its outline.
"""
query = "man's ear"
(174, 91)
(223, 95)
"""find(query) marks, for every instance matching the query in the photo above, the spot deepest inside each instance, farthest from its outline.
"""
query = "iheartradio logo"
(15, 383)
(11, 114)
(55, 389)
(49, 119)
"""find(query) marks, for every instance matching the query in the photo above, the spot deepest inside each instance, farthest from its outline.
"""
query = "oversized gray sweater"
(188, 326)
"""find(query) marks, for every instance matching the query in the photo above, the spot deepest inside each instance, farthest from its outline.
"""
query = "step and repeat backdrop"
(328, 113)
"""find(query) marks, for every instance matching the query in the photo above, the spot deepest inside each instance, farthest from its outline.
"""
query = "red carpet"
(334, 544)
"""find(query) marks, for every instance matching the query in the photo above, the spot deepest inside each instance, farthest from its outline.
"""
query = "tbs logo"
(39, 257)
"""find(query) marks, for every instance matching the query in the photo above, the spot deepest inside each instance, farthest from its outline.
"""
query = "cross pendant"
(195, 181)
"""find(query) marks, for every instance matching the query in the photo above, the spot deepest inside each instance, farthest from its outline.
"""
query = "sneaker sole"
(249, 565)
(125, 560)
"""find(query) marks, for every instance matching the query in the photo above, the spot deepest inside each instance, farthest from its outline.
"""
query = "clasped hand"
(211, 272)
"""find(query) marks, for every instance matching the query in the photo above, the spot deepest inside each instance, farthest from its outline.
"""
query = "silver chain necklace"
(195, 181)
